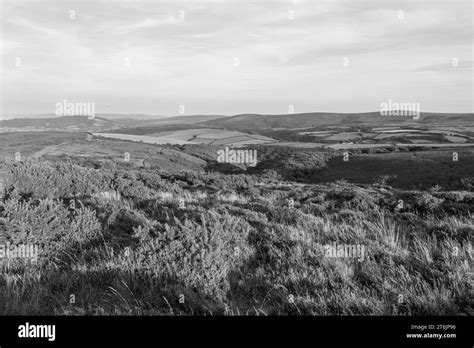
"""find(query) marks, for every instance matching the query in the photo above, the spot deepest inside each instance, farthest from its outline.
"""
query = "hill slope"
(64, 123)
(316, 119)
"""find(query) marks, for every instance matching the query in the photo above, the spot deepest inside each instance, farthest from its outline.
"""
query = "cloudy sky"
(231, 57)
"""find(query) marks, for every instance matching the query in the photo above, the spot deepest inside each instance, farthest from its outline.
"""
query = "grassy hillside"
(149, 121)
(318, 119)
(151, 129)
(28, 143)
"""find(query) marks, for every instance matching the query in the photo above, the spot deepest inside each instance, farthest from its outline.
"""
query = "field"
(194, 136)
(142, 138)
(372, 135)
(413, 135)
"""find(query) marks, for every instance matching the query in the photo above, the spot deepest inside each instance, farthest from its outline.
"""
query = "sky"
(233, 57)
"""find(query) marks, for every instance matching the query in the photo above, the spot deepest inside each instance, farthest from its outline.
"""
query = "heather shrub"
(425, 202)
(200, 254)
(34, 220)
(52, 180)
(127, 184)
(49, 224)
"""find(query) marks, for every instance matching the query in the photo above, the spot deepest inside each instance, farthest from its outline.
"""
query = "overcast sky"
(151, 57)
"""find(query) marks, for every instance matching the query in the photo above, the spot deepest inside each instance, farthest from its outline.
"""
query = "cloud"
(37, 29)
(449, 66)
(184, 51)
(147, 23)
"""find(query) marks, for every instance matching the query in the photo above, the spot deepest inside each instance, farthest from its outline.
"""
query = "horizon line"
(48, 115)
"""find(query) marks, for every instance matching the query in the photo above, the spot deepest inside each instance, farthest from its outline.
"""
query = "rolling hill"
(64, 123)
(162, 121)
(51, 122)
(319, 119)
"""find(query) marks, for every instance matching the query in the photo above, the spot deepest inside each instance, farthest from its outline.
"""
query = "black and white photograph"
(229, 158)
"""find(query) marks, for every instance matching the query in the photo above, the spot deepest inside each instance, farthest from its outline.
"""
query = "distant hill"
(188, 119)
(149, 120)
(317, 119)
(130, 116)
(64, 123)
(109, 116)
(134, 117)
